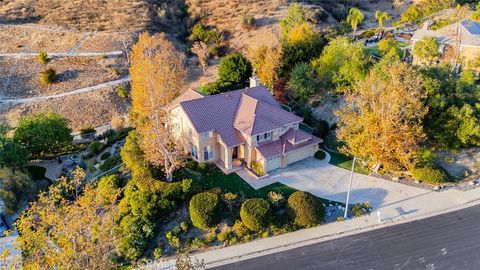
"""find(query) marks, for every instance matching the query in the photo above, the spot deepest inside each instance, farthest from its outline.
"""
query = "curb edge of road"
(323, 238)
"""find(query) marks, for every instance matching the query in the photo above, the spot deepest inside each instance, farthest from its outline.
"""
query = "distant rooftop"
(466, 32)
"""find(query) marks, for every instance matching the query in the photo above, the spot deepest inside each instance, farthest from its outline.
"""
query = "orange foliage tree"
(266, 62)
(158, 77)
(382, 121)
(67, 230)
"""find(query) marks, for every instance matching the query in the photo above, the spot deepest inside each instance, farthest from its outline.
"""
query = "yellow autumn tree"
(65, 230)
(266, 62)
(158, 77)
(382, 120)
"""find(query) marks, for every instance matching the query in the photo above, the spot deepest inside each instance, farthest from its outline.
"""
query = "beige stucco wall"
(469, 53)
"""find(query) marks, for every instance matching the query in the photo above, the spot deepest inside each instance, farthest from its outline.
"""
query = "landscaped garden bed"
(226, 211)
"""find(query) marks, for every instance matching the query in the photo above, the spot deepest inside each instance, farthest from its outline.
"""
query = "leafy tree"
(386, 45)
(145, 203)
(15, 186)
(416, 12)
(305, 209)
(158, 77)
(201, 50)
(303, 81)
(43, 133)
(266, 62)
(204, 210)
(354, 18)
(11, 153)
(294, 17)
(426, 49)
(382, 17)
(342, 64)
(280, 90)
(59, 233)
(133, 157)
(382, 121)
(234, 68)
(210, 37)
(255, 214)
(453, 109)
(302, 44)
(476, 14)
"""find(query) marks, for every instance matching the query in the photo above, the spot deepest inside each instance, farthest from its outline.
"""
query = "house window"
(194, 151)
(208, 153)
(207, 135)
(264, 137)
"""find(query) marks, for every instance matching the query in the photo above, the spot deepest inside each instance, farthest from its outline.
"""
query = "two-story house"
(243, 125)
(461, 37)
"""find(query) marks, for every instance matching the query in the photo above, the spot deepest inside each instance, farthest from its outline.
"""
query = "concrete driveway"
(331, 182)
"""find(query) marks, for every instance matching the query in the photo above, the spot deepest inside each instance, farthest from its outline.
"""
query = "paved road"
(448, 241)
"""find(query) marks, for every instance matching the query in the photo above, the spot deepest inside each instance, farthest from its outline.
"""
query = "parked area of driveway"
(331, 182)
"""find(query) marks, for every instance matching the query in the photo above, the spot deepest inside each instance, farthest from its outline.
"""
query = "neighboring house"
(240, 127)
(462, 37)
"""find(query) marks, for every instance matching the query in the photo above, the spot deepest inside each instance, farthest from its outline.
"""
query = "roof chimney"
(254, 81)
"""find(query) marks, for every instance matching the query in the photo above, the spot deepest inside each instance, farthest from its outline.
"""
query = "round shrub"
(322, 129)
(48, 76)
(305, 209)
(320, 155)
(430, 175)
(191, 164)
(202, 167)
(255, 214)
(204, 210)
(234, 68)
(105, 155)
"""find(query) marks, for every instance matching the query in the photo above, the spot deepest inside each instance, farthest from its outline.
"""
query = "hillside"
(95, 15)
(227, 16)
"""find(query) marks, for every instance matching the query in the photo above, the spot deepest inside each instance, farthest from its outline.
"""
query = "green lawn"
(339, 159)
(345, 162)
(376, 51)
(235, 184)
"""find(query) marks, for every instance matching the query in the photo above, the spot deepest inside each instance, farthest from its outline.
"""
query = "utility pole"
(349, 189)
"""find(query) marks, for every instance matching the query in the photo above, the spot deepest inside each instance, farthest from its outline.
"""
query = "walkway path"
(63, 54)
(74, 92)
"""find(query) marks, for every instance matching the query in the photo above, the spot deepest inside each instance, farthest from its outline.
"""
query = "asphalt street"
(448, 241)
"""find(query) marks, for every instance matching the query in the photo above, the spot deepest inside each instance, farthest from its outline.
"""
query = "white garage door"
(273, 164)
(299, 155)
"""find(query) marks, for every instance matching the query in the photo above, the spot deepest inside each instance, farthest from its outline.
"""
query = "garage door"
(299, 155)
(273, 164)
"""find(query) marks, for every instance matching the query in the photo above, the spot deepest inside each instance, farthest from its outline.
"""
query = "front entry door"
(235, 152)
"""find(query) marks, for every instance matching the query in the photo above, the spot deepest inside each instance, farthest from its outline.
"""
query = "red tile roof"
(290, 141)
(252, 111)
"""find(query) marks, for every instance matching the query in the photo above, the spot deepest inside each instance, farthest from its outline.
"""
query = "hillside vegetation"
(95, 15)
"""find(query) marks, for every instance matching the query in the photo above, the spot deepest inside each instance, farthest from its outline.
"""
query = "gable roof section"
(468, 31)
(290, 141)
(256, 117)
(250, 110)
(187, 95)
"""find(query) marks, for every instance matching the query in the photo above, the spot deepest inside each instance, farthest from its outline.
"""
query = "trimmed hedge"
(305, 209)
(255, 214)
(320, 155)
(430, 175)
(204, 210)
